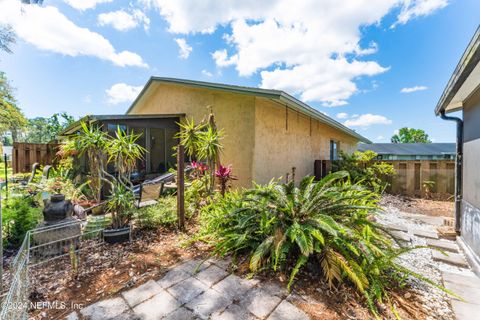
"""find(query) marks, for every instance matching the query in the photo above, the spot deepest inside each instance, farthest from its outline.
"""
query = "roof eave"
(264, 93)
(468, 61)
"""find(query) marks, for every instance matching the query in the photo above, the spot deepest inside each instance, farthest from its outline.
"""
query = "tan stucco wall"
(257, 143)
(234, 114)
(284, 141)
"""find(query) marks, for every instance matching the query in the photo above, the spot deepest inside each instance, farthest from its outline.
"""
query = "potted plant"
(123, 152)
(120, 205)
(92, 142)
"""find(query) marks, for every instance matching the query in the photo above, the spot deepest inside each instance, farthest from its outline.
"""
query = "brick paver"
(195, 290)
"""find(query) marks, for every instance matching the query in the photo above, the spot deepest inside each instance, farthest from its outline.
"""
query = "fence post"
(6, 177)
(181, 186)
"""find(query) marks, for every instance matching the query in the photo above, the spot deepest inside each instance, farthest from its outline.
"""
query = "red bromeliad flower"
(224, 175)
(223, 172)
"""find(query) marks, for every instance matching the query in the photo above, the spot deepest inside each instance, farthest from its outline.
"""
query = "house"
(267, 132)
(462, 95)
(157, 135)
(411, 151)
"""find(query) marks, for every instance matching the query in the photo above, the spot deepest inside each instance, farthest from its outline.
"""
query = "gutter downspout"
(458, 169)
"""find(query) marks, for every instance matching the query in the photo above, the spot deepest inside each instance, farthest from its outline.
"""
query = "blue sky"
(350, 60)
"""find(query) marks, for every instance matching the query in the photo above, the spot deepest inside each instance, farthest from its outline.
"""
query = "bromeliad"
(224, 175)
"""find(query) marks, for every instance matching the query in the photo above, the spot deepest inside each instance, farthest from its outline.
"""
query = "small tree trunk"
(181, 186)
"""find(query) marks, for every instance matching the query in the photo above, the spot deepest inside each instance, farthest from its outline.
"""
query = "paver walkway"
(463, 282)
(207, 293)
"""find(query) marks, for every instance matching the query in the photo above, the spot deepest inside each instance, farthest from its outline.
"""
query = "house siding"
(470, 224)
(285, 138)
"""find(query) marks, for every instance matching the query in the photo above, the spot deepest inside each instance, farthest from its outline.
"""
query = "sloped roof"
(276, 95)
(421, 149)
(465, 78)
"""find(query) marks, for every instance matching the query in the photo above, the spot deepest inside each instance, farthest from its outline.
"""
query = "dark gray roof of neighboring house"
(410, 148)
(467, 63)
(276, 95)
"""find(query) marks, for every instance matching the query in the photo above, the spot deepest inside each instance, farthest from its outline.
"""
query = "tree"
(11, 117)
(44, 130)
(410, 135)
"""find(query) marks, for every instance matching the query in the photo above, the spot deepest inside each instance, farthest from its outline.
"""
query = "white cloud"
(207, 73)
(412, 9)
(85, 4)
(342, 115)
(366, 120)
(123, 20)
(122, 92)
(413, 89)
(291, 46)
(184, 49)
(380, 138)
(48, 29)
(221, 58)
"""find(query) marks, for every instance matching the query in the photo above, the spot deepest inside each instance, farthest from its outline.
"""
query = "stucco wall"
(285, 138)
(234, 114)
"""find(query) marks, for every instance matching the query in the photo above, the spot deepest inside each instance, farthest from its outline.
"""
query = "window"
(112, 128)
(333, 150)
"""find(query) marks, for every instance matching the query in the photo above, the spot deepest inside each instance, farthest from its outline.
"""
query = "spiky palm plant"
(327, 223)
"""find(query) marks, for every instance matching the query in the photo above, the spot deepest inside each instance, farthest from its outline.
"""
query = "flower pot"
(117, 235)
(98, 209)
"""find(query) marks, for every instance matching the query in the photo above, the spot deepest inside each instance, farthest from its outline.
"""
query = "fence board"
(24, 155)
(410, 175)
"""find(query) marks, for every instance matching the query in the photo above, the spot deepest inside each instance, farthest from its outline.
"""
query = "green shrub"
(327, 223)
(19, 214)
(363, 168)
(164, 213)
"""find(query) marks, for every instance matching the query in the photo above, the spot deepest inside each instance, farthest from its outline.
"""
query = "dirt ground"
(428, 207)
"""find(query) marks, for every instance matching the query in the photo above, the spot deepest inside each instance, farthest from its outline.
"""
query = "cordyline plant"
(224, 175)
(327, 224)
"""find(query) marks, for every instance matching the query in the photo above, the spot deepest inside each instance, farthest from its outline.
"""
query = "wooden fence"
(24, 155)
(411, 175)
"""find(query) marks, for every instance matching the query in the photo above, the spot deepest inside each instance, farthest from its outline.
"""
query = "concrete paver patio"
(193, 291)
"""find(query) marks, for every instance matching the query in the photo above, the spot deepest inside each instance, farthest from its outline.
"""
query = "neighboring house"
(462, 93)
(267, 132)
(411, 151)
